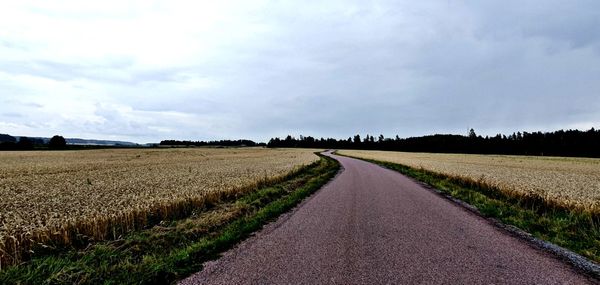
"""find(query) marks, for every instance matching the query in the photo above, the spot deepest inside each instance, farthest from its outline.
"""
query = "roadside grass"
(573, 229)
(177, 248)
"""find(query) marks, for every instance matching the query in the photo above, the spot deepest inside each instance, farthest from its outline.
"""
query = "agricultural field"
(569, 182)
(56, 198)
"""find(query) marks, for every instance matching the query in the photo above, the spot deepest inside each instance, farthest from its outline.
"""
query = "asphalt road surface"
(371, 225)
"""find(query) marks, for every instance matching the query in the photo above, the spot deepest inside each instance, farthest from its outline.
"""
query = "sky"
(144, 71)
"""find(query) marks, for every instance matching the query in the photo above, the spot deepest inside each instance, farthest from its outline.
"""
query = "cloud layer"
(147, 71)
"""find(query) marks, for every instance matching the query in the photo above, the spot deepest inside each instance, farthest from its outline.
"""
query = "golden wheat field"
(55, 197)
(570, 182)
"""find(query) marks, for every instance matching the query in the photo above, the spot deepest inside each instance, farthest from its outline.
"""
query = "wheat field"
(56, 198)
(564, 181)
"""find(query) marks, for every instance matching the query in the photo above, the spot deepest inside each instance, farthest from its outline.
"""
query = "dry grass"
(572, 183)
(60, 198)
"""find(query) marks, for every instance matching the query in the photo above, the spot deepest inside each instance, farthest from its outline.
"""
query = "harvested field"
(63, 197)
(572, 183)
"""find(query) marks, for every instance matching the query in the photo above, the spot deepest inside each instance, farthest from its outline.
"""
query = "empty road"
(371, 225)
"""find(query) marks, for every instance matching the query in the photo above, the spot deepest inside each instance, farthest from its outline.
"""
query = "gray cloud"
(407, 68)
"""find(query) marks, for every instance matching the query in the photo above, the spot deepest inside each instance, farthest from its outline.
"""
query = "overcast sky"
(144, 71)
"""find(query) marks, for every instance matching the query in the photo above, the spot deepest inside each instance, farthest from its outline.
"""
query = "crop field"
(572, 183)
(60, 198)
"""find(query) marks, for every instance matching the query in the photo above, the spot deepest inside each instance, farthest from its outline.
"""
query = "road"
(371, 225)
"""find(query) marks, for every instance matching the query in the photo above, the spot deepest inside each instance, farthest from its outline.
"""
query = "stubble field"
(573, 183)
(58, 198)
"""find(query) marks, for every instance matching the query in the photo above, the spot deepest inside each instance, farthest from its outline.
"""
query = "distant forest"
(558, 143)
(211, 143)
(8, 142)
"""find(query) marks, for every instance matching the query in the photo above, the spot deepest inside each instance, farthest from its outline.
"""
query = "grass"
(574, 229)
(173, 249)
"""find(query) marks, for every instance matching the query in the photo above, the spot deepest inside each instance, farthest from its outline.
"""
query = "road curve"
(371, 225)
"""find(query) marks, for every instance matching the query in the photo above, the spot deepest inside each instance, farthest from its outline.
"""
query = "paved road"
(371, 225)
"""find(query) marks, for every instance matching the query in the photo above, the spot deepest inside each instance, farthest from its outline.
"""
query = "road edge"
(279, 221)
(578, 262)
(266, 228)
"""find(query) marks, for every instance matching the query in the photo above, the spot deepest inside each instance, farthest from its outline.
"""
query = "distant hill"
(71, 141)
(7, 138)
(76, 141)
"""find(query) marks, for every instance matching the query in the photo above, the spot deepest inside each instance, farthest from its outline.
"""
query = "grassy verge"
(173, 249)
(576, 230)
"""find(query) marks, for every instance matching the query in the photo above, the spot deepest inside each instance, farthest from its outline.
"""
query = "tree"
(472, 134)
(57, 142)
(357, 139)
(25, 143)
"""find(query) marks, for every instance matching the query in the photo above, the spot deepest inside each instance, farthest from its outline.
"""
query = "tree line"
(558, 143)
(8, 142)
(227, 143)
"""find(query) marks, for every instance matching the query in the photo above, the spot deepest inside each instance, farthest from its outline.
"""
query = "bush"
(57, 142)
(25, 143)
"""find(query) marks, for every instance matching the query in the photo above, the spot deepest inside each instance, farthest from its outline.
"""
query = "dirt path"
(371, 225)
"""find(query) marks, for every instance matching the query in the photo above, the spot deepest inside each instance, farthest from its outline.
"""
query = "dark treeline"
(211, 143)
(8, 142)
(558, 143)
